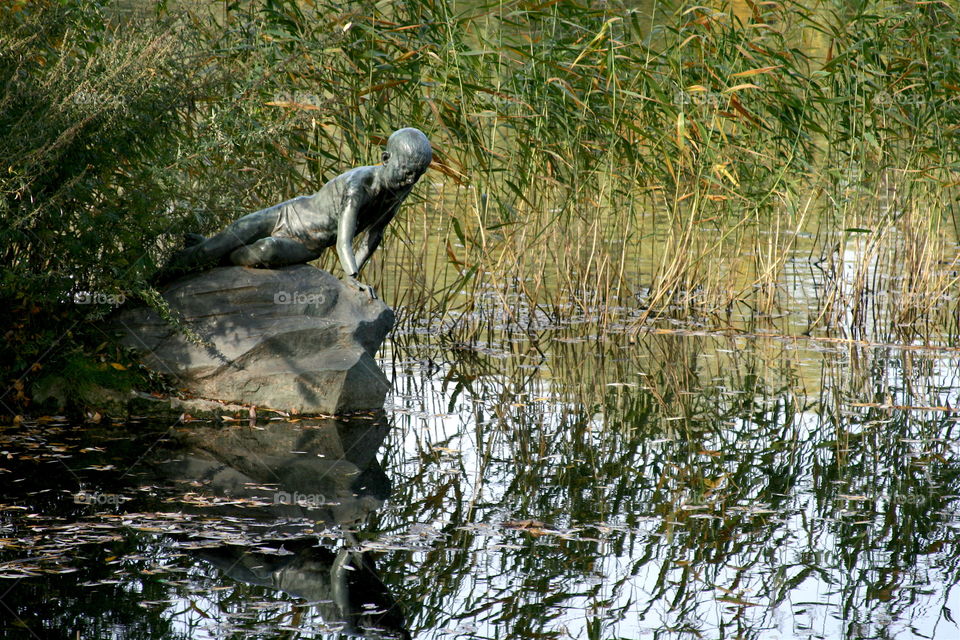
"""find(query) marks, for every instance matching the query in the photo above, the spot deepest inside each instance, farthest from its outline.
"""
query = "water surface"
(675, 484)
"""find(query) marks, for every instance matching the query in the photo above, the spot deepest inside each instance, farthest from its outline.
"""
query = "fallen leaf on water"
(445, 450)
(738, 601)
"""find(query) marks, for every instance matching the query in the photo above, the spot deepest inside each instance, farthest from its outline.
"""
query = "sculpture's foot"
(192, 239)
(355, 284)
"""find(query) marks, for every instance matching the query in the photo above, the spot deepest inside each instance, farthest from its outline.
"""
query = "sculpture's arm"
(371, 240)
(346, 229)
(369, 244)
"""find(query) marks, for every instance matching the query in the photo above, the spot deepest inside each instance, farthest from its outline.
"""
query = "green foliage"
(80, 373)
(84, 119)
(107, 155)
(84, 123)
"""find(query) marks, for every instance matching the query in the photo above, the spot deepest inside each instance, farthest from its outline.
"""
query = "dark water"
(674, 485)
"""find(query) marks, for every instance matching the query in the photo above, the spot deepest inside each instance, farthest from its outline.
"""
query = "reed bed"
(612, 161)
(603, 158)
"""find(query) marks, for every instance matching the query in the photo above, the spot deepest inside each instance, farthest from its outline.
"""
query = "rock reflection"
(325, 471)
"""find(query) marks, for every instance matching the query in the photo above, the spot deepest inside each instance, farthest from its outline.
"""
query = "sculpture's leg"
(215, 249)
(272, 252)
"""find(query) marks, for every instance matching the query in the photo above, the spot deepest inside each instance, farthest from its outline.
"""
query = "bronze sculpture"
(361, 200)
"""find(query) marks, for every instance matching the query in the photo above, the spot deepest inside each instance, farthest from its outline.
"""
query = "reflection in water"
(671, 485)
(343, 586)
(691, 486)
(325, 471)
(274, 506)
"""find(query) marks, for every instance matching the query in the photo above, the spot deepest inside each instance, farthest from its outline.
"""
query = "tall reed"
(590, 157)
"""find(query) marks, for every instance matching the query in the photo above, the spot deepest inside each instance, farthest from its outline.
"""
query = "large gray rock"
(293, 339)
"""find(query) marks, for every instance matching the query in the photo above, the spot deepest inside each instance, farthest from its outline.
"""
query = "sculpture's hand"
(353, 283)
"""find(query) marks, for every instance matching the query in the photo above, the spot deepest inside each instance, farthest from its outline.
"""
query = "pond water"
(673, 484)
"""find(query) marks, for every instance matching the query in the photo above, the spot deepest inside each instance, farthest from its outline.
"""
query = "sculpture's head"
(407, 156)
